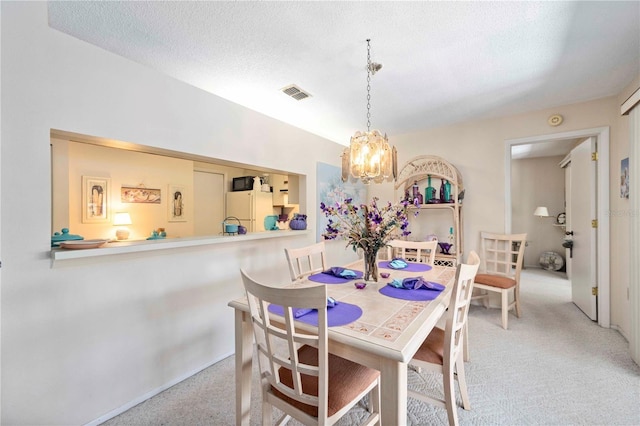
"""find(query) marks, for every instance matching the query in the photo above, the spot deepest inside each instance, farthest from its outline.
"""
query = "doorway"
(601, 187)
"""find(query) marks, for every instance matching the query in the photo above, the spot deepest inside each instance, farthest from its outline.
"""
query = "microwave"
(244, 183)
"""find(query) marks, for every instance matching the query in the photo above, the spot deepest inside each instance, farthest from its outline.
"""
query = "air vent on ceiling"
(295, 92)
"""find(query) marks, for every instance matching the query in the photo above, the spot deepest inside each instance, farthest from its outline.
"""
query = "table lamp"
(122, 219)
(541, 212)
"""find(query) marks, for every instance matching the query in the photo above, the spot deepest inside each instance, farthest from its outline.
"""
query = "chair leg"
(505, 308)
(485, 299)
(374, 401)
(266, 413)
(462, 384)
(516, 296)
(450, 394)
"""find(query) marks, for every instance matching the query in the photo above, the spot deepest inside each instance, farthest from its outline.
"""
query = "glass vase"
(370, 265)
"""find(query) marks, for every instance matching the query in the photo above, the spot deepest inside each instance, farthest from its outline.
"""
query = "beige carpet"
(553, 366)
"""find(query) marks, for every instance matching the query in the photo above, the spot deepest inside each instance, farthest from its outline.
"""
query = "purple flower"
(366, 226)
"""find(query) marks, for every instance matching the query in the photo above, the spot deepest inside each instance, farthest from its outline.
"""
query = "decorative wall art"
(624, 178)
(140, 194)
(95, 199)
(332, 190)
(176, 204)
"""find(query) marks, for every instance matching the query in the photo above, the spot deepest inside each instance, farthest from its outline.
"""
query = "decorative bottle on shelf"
(447, 191)
(417, 196)
(430, 192)
(451, 239)
(442, 199)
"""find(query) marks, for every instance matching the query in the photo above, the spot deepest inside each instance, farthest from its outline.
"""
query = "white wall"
(537, 182)
(85, 337)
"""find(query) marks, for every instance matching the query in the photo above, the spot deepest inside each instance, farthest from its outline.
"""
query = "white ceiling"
(550, 148)
(443, 62)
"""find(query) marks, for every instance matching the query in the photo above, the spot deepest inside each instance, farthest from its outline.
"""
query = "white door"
(208, 209)
(582, 211)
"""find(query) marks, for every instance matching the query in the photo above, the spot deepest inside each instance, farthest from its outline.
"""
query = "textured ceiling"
(443, 62)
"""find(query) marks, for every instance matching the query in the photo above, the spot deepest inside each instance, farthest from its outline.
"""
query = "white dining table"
(385, 337)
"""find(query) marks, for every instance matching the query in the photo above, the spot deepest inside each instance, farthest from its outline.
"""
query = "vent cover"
(295, 92)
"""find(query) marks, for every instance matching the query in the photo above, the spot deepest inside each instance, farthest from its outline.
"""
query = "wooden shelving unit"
(419, 169)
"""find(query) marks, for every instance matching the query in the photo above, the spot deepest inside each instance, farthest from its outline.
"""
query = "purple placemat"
(332, 279)
(421, 294)
(341, 314)
(411, 267)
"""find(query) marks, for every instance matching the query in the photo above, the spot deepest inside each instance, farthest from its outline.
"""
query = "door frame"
(602, 183)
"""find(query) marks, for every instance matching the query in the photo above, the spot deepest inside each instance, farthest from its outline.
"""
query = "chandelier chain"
(368, 85)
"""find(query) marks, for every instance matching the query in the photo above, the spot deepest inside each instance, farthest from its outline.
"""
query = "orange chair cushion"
(495, 280)
(346, 380)
(432, 349)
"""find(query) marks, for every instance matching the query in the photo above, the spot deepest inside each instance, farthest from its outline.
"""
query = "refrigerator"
(250, 207)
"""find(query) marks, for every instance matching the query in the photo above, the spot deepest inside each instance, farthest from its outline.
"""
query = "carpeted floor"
(553, 366)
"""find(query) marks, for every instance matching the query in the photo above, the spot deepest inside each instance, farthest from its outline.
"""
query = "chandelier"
(369, 156)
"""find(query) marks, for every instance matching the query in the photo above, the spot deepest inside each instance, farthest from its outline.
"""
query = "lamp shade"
(122, 218)
(541, 212)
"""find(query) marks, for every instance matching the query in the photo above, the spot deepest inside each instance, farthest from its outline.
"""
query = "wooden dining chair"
(502, 257)
(442, 351)
(417, 251)
(304, 261)
(472, 259)
(298, 375)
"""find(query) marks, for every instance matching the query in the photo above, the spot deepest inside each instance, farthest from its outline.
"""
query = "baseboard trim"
(151, 394)
(619, 330)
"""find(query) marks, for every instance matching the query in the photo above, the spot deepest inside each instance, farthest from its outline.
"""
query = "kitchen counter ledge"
(138, 246)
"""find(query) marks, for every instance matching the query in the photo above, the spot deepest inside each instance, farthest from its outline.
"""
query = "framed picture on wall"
(176, 204)
(624, 178)
(96, 194)
(331, 190)
(140, 194)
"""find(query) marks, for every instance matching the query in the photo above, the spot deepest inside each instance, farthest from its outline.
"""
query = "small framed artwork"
(140, 194)
(96, 194)
(624, 178)
(176, 204)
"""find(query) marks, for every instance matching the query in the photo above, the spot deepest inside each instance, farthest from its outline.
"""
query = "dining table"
(385, 337)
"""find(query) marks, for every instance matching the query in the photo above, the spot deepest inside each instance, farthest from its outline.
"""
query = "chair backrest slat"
(417, 251)
(302, 260)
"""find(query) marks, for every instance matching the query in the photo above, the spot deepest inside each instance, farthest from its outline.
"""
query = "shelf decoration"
(449, 198)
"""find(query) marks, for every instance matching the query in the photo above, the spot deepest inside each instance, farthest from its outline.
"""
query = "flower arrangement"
(368, 227)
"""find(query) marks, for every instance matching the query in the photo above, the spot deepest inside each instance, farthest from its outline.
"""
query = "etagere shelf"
(419, 169)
